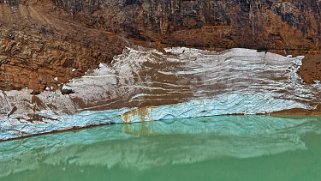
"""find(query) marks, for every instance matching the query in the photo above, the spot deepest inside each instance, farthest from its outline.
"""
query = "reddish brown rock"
(42, 41)
(310, 71)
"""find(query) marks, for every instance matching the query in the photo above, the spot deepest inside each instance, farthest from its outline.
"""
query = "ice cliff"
(147, 84)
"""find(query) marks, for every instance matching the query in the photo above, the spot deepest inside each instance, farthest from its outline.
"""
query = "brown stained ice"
(146, 77)
(142, 80)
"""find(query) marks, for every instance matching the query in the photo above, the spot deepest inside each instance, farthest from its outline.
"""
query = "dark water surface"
(216, 148)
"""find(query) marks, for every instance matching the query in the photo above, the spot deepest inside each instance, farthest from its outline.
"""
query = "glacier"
(147, 84)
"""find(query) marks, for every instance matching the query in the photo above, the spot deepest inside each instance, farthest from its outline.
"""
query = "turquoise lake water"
(216, 148)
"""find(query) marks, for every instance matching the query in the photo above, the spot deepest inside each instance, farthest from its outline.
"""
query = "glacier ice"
(145, 84)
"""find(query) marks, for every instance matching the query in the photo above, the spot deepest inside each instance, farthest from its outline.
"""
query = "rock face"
(260, 24)
(47, 42)
(39, 50)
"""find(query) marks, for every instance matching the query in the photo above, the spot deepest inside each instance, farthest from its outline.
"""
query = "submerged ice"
(146, 84)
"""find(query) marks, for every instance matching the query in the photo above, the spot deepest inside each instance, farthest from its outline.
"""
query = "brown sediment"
(310, 71)
(298, 112)
(126, 117)
(56, 131)
(142, 112)
(38, 103)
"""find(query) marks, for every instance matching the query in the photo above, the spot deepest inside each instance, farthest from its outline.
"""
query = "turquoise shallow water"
(214, 148)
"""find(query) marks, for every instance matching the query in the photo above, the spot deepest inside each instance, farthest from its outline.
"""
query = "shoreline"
(146, 84)
(276, 115)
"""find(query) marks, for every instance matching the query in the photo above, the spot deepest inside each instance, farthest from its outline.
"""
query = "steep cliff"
(260, 24)
(47, 42)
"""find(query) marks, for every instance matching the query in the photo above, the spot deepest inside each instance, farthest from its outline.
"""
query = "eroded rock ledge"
(45, 43)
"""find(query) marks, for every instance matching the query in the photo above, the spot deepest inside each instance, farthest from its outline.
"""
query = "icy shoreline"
(145, 85)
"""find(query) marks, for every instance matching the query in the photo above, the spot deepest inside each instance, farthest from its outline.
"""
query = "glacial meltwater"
(214, 148)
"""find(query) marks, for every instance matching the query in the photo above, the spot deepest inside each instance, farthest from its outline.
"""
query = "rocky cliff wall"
(42, 46)
(260, 24)
(44, 43)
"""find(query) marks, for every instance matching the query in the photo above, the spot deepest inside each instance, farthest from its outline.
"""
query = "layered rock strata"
(45, 43)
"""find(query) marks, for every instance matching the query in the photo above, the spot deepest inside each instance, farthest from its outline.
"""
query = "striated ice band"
(146, 84)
